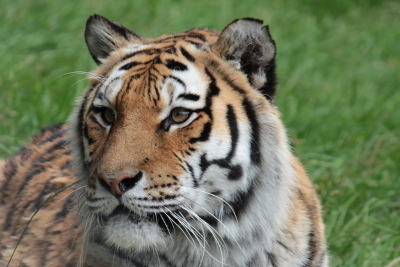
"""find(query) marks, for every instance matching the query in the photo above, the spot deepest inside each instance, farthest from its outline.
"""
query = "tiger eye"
(179, 115)
(109, 115)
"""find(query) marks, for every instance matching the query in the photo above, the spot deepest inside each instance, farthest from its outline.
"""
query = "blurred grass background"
(338, 63)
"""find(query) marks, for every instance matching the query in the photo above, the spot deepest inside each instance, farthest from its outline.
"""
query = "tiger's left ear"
(248, 45)
(103, 36)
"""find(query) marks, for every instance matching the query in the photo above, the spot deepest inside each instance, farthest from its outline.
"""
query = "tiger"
(174, 156)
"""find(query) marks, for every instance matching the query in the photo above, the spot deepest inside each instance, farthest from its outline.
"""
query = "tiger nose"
(119, 185)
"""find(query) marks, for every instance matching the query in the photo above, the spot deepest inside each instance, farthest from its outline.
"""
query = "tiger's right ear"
(103, 36)
(248, 46)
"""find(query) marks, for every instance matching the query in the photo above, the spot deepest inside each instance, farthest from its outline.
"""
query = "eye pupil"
(109, 115)
(180, 115)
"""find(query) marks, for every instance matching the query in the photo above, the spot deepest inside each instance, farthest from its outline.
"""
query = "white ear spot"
(258, 79)
(235, 63)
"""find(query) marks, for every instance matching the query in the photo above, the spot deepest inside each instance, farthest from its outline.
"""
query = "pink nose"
(120, 184)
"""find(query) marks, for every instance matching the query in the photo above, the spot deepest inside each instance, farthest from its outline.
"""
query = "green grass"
(338, 63)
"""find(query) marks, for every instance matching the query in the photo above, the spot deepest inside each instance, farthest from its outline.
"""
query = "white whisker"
(170, 235)
(214, 233)
(220, 221)
(223, 200)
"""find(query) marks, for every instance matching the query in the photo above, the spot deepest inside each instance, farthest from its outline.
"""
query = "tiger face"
(169, 130)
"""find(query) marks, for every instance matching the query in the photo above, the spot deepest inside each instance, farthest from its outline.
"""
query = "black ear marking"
(248, 46)
(103, 36)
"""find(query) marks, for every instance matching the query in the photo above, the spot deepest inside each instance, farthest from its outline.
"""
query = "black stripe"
(171, 50)
(24, 153)
(205, 134)
(255, 131)
(68, 205)
(166, 261)
(311, 248)
(235, 173)
(184, 36)
(194, 43)
(137, 75)
(10, 169)
(37, 169)
(196, 36)
(195, 183)
(269, 88)
(48, 188)
(272, 258)
(111, 82)
(187, 55)
(213, 88)
(56, 132)
(86, 131)
(150, 51)
(204, 163)
(177, 80)
(283, 245)
(311, 235)
(190, 97)
(175, 65)
(129, 65)
(10, 213)
(47, 158)
(52, 129)
(81, 130)
(233, 128)
(241, 202)
(210, 220)
(58, 146)
(99, 95)
(166, 223)
(225, 77)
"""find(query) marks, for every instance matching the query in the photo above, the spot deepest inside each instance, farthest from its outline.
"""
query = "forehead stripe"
(178, 80)
(129, 65)
(186, 54)
(150, 51)
(110, 83)
(175, 65)
(184, 36)
(190, 97)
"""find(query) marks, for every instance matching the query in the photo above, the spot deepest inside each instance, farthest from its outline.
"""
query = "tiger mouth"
(166, 221)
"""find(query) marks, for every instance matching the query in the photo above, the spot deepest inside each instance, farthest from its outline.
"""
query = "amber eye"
(179, 115)
(108, 115)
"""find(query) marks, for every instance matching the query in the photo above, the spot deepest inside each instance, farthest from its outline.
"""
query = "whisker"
(195, 232)
(223, 200)
(180, 219)
(223, 225)
(170, 235)
(214, 233)
(191, 241)
(89, 75)
(73, 191)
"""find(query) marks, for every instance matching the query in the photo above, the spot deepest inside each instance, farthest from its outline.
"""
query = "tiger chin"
(178, 157)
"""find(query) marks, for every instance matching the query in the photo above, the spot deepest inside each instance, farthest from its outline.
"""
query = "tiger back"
(178, 158)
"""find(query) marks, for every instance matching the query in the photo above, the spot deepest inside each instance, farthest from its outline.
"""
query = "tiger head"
(173, 133)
